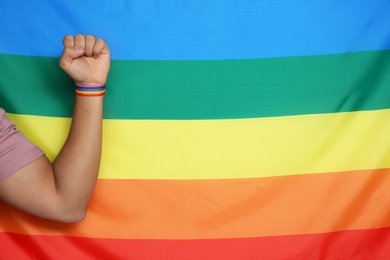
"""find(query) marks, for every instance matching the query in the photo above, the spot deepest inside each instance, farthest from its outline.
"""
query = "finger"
(90, 41)
(100, 48)
(79, 40)
(69, 54)
(68, 40)
(71, 50)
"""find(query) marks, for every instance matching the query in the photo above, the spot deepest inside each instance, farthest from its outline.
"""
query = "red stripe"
(358, 244)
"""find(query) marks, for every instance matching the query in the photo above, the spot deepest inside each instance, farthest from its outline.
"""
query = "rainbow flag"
(232, 129)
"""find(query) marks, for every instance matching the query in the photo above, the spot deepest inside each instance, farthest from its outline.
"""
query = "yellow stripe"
(237, 148)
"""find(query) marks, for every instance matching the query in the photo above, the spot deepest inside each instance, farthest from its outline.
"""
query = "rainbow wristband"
(92, 91)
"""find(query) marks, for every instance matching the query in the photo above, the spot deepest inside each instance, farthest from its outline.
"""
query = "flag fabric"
(233, 129)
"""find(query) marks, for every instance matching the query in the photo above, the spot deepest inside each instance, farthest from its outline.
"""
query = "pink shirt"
(15, 150)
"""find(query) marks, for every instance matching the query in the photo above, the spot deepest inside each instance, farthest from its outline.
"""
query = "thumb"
(69, 54)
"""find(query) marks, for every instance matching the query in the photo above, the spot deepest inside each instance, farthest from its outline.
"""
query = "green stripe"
(207, 89)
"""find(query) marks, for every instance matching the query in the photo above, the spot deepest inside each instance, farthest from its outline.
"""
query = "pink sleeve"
(15, 150)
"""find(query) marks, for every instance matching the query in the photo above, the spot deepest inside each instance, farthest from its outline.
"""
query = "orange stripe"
(169, 209)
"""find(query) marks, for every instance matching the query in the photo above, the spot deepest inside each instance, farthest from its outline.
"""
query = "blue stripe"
(198, 29)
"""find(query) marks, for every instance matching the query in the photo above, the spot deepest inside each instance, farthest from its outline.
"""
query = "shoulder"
(16, 151)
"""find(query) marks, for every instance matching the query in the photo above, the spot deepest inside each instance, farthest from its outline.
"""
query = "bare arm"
(61, 190)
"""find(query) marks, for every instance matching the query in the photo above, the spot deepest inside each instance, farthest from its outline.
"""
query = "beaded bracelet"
(92, 91)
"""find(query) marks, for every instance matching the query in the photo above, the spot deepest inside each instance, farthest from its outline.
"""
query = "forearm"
(77, 165)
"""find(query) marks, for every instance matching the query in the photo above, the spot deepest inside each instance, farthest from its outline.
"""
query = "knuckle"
(79, 36)
(67, 38)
